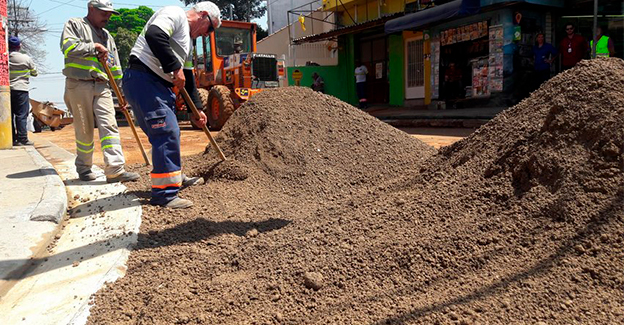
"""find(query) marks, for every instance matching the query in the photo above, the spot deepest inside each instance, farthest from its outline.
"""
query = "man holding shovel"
(87, 94)
(160, 59)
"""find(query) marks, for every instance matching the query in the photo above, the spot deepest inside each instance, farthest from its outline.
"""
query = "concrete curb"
(91, 249)
(53, 204)
(448, 123)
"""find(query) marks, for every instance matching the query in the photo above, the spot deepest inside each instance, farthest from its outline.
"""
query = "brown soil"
(324, 215)
(193, 141)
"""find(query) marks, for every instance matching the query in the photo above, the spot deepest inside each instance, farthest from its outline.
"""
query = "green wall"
(396, 69)
(339, 79)
(332, 76)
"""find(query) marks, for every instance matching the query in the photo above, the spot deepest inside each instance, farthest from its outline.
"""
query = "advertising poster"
(495, 60)
(464, 33)
(435, 68)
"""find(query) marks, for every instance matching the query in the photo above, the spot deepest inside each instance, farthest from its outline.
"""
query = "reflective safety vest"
(21, 68)
(78, 47)
(602, 47)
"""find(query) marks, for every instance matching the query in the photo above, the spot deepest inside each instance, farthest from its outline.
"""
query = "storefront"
(479, 60)
(468, 57)
(372, 51)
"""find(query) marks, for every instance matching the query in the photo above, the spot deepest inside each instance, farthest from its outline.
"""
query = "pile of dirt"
(523, 221)
(310, 143)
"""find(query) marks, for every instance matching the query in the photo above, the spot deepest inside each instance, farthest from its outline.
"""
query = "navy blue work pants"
(19, 112)
(153, 104)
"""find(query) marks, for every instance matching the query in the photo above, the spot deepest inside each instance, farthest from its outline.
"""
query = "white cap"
(104, 5)
(212, 10)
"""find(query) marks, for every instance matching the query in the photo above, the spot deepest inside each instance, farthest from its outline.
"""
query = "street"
(194, 141)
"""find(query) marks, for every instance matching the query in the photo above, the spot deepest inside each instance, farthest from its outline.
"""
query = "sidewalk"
(422, 117)
(33, 201)
(49, 271)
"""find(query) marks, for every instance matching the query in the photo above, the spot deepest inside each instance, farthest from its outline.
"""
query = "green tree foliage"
(125, 41)
(126, 27)
(130, 19)
(242, 10)
(261, 33)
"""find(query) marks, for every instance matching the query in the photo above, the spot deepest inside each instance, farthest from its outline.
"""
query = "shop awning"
(428, 16)
(346, 30)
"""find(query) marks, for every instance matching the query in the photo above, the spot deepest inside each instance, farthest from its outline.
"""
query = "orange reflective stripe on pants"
(164, 180)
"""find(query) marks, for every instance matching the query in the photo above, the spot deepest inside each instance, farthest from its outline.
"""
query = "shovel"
(122, 102)
(190, 103)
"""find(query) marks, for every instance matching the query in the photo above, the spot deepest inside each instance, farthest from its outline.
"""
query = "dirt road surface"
(194, 141)
(323, 214)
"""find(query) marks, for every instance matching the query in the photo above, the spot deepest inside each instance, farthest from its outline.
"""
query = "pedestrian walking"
(604, 46)
(21, 68)
(318, 84)
(573, 48)
(544, 54)
(360, 84)
(453, 89)
(87, 93)
(160, 59)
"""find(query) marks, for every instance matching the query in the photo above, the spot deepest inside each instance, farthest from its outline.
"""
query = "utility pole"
(595, 42)
(269, 17)
(6, 135)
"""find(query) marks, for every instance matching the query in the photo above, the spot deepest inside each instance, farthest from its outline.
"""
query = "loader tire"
(220, 107)
(203, 97)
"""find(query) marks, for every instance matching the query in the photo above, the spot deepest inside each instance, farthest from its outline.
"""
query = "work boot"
(179, 203)
(87, 176)
(191, 181)
(123, 177)
(24, 143)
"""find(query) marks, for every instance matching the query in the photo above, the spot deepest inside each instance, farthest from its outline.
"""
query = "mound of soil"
(312, 143)
(521, 222)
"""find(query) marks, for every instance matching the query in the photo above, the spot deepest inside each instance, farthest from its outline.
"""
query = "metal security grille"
(415, 64)
(264, 69)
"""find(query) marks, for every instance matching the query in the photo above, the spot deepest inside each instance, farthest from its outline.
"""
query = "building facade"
(277, 12)
(413, 48)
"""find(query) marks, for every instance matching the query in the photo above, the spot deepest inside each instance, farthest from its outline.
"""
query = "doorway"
(414, 68)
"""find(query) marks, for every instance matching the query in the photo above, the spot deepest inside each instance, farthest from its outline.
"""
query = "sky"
(56, 12)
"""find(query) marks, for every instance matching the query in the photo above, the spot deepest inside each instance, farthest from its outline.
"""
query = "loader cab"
(220, 57)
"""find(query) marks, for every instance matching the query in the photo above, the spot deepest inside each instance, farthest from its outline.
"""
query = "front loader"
(228, 71)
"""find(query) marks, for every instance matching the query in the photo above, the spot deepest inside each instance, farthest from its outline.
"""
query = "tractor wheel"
(203, 97)
(220, 107)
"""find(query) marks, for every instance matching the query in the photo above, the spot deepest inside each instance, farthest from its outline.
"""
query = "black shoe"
(87, 176)
(24, 143)
(123, 177)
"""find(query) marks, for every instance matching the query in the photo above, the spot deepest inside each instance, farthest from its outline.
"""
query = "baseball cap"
(14, 41)
(104, 5)
(214, 14)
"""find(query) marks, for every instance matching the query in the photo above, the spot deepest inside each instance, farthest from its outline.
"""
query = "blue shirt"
(542, 54)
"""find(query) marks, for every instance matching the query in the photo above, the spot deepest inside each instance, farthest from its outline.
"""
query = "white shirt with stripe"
(21, 67)
(172, 20)
(360, 74)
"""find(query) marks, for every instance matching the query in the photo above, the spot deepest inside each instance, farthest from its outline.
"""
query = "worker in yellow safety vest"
(604, 46)
(21, 68)
(87, 94)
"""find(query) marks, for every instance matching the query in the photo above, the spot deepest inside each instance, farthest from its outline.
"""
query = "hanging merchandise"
(435, 67)
(495, 60)
(464, 33)
(480, 76)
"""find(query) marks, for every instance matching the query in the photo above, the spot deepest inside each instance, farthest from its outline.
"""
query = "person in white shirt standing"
(160, 59)
(360, 83)
(21, 68)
